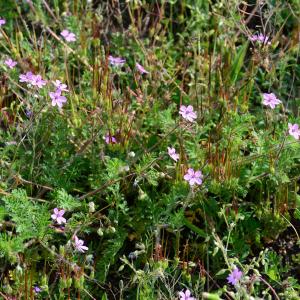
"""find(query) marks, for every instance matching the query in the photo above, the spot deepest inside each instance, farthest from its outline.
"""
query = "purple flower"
(79, 245)
(57, 98)
(28, 113)
(172, 153)
(270, 100)
(68, 36)
(260, 38)
(234, 276)
(60, 86)
(110, 139)
(37, 289)
(37, 80)
(141, 69)
(58, 216)
(193, 177)
(186, 295)
(188, 113)
(116, 61)
(26, 77)
(10, 63)
(2, 22)
(294, 130)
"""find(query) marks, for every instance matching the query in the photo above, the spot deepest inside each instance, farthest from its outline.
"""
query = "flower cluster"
(192, 177)
(36, 80)
(56, 97)
(33, 80)
(57, 217)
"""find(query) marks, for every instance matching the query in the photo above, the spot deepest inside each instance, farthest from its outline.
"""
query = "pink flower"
(234, 276)
(110, 139)
(57, 98)
(68, 36)
(188, 113)
(58, 216)
(172, 153)
(2, 22)
(60, 86)
(186, 295)
(270, 100)
(37, 289)
(193, 177)
(26, 77)
(116, 61)
(10, 63)
(79, 245)
(260, 38)
(37, 80)
(294, 130)
(141, 69)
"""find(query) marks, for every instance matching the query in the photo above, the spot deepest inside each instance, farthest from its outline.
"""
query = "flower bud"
(100, 231)
(19, 270)
(77, 283)
(62, 250)
(121, 284)
(62, 283)
(111, 229)
(91, 207)
(69, 282)
(131, 154)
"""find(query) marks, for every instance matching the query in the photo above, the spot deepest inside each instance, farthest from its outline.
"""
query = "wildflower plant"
(149, 150)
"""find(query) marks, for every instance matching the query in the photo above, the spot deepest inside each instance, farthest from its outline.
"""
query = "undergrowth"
(164, 163)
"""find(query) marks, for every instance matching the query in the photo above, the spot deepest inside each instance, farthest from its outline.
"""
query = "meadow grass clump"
(149, 149)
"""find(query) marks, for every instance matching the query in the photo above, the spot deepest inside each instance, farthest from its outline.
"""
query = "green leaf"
(104, 297)
(210, 296)
(110, 254)
(65, 201)
(194, 228)
(238, 63)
